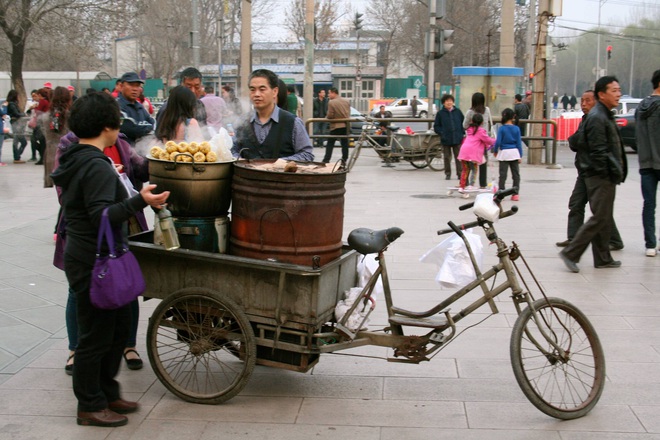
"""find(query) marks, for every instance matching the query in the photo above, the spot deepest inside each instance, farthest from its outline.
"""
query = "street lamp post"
(600, 5)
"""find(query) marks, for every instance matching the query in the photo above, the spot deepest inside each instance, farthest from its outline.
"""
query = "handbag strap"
(105, 231)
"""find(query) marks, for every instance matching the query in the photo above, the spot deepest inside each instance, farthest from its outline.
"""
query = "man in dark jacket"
(320, 110)
(602, 161)
(137, 121)
(449, 125)
(648, 153)
(579, 197)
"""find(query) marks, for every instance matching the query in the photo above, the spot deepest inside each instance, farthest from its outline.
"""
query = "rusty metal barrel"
(293, 218)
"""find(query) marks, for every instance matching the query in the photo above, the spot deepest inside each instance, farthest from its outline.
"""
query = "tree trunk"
(17, 56)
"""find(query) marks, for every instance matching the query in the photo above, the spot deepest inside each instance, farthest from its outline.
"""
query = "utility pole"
(531, 32)
(430, 81)
(246, 44)
(538, 91)
(507, 52)
(194, 35)
(358, 71)
(308, 86)
(220, 29)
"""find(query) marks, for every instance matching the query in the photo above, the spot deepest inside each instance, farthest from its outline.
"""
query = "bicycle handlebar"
(497, 198)
(479, 222)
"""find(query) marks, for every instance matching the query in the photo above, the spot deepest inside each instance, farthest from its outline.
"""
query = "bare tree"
(326, 15)
(20, 18)
(387, 17)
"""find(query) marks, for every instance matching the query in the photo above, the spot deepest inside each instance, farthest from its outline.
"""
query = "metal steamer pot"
(196, 189)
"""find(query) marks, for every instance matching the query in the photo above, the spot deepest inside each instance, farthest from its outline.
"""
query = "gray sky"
(580, 14)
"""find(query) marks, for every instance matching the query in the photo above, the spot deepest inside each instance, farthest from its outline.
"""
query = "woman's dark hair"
(92, 90)
(60, 104)
(507, 115)
(45, 93)
(446, 97)
(479, 102)
(180, 106)
(282, 101)
(12, 96)
(92, 113)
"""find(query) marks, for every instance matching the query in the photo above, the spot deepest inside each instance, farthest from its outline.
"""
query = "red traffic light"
(609, 52)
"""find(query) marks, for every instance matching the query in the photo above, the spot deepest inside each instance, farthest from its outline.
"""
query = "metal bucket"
(196, 189)
(287, 217)
(199, 234)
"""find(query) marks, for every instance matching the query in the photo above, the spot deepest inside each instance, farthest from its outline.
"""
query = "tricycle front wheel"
(201, 345)
(563, 381)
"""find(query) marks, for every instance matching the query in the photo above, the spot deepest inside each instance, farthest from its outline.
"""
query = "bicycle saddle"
(367, 241)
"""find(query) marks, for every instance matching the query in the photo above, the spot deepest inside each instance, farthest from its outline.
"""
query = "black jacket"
(89, 185)
(600, 152)
(648, 132)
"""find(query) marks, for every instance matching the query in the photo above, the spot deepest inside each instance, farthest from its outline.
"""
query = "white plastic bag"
(221, 143)
(366, 267)
(453, 260)
(486, 208)
(353, 322)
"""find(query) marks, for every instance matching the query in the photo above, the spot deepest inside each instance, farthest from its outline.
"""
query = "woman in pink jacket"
(472, 151)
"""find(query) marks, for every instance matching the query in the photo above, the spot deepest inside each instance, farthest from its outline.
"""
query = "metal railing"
(550, 153)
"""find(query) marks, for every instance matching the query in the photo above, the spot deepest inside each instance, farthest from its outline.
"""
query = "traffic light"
(531, 76)
(441, 45)
(609, 52)
(358, 21)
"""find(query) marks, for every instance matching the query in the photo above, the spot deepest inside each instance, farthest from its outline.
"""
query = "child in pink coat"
(472, 151)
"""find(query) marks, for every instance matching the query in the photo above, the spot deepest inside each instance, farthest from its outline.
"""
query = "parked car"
(356, 127)
(401, 108)
(627, 105)
(626, 124)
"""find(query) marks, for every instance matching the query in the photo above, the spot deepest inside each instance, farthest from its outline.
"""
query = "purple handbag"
(116, 278)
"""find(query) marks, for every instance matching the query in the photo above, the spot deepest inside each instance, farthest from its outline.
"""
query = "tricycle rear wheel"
(434, 156)
(201, 345)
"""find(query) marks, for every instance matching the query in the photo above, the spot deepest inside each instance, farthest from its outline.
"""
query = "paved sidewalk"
(467, 391)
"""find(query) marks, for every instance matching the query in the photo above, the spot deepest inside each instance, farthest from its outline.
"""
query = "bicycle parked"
(421, 150)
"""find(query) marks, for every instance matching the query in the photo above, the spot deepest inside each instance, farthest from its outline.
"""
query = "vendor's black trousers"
(102, 338)
(598, 229)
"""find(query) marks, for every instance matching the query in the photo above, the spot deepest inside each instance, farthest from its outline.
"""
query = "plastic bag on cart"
(453, 260)
(366, 267)
(353, 322)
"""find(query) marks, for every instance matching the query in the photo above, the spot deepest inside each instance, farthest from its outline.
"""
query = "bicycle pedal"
(438, 338)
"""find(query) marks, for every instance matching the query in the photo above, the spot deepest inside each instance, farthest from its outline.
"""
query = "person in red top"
(42, 108)
(117, 91)
(146, 103)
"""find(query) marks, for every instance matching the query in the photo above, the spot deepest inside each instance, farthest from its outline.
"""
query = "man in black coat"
(602, 160)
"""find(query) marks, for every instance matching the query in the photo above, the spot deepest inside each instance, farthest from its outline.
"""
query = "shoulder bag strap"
(105, 231)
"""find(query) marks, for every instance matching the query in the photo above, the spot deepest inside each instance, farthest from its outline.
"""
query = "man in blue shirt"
(137, 121)
(270, 133)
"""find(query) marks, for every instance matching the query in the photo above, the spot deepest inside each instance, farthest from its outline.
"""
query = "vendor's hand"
(519, 160)
(153, 200)
(119, 167)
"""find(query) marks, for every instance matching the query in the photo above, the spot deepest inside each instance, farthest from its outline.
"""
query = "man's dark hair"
(270, 76)
(589, 91)
(90, 90)
(90, 114)
(334, 90)
(655, 79)
(208, 89)
(446, 97)
(518, 97)
(190, 73)
(602, 83)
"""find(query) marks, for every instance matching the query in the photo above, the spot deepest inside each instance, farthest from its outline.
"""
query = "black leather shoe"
(616, 247)
(563, 243)
(570, 264)
(121, 406)
(105, 417)
(613, 263)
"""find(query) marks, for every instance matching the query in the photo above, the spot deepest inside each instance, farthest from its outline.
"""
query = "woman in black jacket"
(90, 185)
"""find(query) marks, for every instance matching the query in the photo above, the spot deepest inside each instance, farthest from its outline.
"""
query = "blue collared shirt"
(302, 145)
